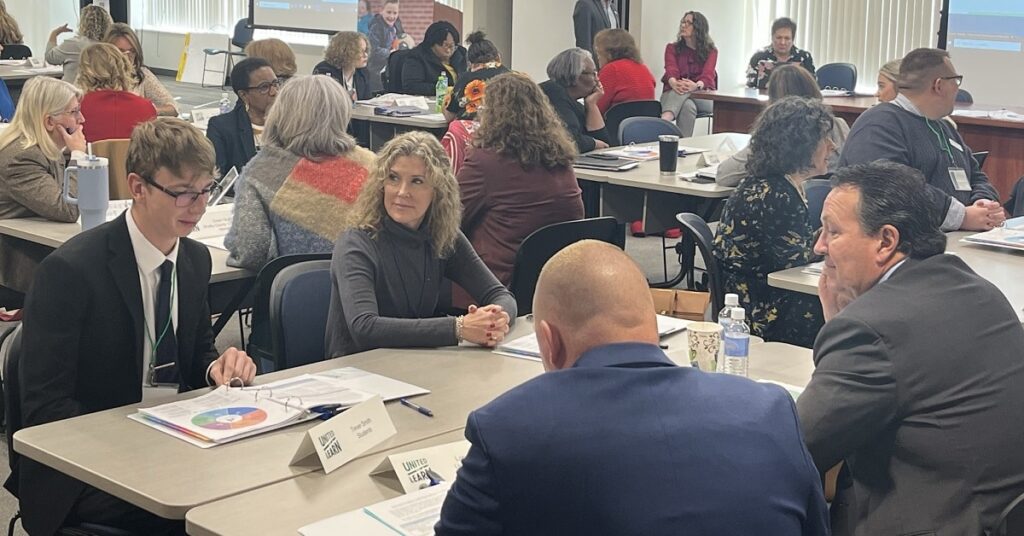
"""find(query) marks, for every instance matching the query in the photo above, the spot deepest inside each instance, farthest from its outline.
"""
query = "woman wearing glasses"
(403, 240)
(689, 66)
(295, 195)
(105, 75)
(48, 121)
(146, 85)
(237, 135)
(345, 61)
(434, 57)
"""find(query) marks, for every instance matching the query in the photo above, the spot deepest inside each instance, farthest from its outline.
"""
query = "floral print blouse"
(796, 55)
(765, 228)
(468, 93)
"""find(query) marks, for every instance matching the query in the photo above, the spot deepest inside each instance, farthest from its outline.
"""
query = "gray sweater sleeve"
(356, 268)
(249, 241)
(732, 170)
(465, 268)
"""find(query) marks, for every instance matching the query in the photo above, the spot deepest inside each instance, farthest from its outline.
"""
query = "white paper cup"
(705, 340)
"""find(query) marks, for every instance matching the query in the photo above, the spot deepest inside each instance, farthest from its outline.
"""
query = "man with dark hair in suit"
(590, 17)
(119, 310)
(917, 385)
(616, 439)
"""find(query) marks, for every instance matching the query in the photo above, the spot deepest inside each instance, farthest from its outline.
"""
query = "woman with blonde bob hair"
(345, 61)
(295, 195)
(146, 85)
(93, 23)
(518, 176)
(106, 76)
(280, 56)
(403, 240)
(47, 121)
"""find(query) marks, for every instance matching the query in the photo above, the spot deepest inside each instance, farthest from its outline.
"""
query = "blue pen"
(326, 411)
(416, 407)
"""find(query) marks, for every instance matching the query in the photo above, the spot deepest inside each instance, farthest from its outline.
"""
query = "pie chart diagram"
(229, 418)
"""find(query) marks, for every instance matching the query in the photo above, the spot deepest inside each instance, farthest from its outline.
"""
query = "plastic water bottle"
(441, 91)
(725, 316)
(225, 103)
(737, 344)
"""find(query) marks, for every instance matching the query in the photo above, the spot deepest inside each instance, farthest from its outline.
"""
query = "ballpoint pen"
(416, 407)
(326, 411)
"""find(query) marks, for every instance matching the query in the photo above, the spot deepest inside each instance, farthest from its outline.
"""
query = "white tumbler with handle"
(93, 190)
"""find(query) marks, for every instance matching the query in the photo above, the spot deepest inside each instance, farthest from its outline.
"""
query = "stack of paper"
(397, 99)
(1010, 235)
(526, 347)
(414, 514)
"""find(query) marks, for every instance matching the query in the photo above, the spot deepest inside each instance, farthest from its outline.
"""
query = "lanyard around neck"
(943, 143)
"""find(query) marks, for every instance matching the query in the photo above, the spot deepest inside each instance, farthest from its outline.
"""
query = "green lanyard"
(167, 326)
(943, 144)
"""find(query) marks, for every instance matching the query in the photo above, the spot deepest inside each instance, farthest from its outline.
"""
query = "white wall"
(37, 18)
(162, 50)
(493, 17)
(540, 29)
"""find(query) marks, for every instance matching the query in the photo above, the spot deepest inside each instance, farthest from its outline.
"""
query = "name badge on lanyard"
(959, 178)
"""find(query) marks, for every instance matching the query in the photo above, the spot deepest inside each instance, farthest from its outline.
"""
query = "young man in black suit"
(119, 310)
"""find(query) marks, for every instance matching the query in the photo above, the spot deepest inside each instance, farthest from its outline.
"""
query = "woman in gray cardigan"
(93, 23)
(402, 241)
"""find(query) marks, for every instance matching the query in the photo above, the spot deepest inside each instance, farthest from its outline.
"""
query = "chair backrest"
(243, 33)
(980, 156)
(624, 110)
(1015, 204)
(261, 344)
(543, 243)
(816, 191)
(964, 97)
(1011, 520)
(837, 76)
(697, 235)
(15, 52)
(11, 347)
(299, 299)
(645, 129)
(391, 77)
(116, 151)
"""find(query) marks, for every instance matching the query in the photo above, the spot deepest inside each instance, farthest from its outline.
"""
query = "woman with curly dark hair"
(765, 225)
(689, 66)
(518, 175)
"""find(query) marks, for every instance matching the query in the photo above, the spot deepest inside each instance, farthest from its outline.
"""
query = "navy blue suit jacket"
(625, 442)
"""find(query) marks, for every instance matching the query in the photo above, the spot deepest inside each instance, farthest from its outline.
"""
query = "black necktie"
(166, 351)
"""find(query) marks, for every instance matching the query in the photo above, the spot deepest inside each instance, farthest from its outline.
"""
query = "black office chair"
(645, 129)
(816, 191)
(1015, 204)
(15, 52)
(543, 243)
(980, 156)
(300, 297)
(697, 236)
(1011, 520)
(842, 76)
(261, 342)
(964, 97)
(241, 37)
(623, 110)
(391, 76)
(12, 412)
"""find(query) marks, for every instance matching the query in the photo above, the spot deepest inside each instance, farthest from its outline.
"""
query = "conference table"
(645, 194)
(10, 71)
(736, 109)
(382, 127)
(1001, 266)
(226, 282)
(284, 507)
(171, 477)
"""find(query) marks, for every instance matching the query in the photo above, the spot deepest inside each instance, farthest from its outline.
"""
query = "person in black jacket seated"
(484, 63)
(573, 76)
(434, 57)
(345, 61)
(236, 135)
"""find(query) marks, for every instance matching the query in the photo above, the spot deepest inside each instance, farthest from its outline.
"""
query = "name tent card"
(411, 467)
(345, 436)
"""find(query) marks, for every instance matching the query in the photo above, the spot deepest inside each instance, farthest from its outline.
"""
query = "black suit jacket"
(82, 347)
(573, 116)
(232, 138)
(588, 18)
(421, 69)
(359, 78)
(918, 387)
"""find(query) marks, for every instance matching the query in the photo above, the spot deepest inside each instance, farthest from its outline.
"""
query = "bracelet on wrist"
(459, 320)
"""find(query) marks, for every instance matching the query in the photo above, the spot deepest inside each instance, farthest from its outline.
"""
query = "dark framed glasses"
(957, 79)
(186, 198)
(264, 88)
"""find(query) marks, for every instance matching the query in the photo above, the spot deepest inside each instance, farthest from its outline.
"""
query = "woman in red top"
(689, 66)
(623, 74)
(106, 77)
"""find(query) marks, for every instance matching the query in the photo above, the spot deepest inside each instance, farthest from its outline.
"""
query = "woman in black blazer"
(345, 61)
(437, 55)
(237, 135)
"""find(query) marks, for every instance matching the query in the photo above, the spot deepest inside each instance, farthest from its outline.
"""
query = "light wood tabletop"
(282, 508)
(20, 72)
(424, 121)
(1003, 267)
